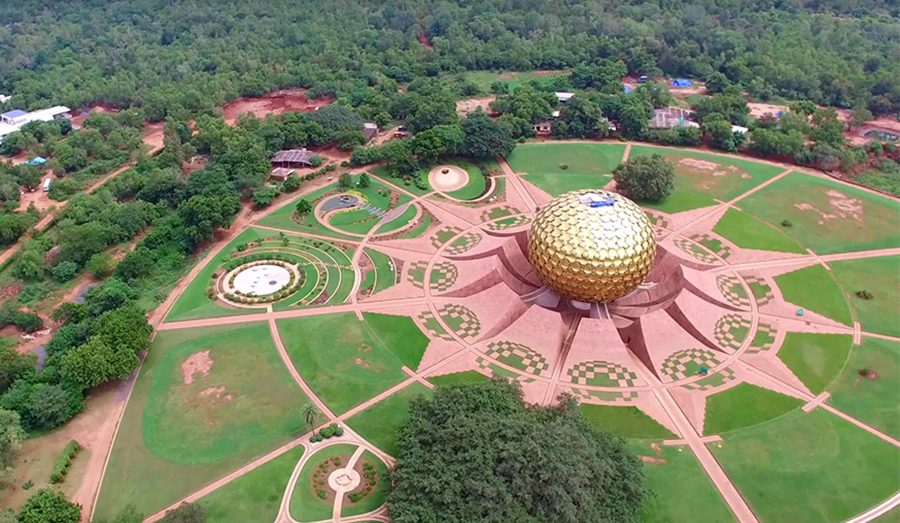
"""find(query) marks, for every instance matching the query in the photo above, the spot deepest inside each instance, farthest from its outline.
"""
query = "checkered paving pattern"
(713, 244)
(602, 374)
(695, 251)
(658, 220)
(444, 235)
(602, 395)
(433, 326)
(762, 291)
(464, 243)
(687, 363)
(730, 287)
(496, 370)
(508, 223)
(721, 377)
(499, 212)
(519, 356)
(764, 339)
(461, 320)
(731, 331)
(443, 275)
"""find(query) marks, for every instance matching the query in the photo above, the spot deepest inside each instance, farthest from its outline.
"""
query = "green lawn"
(305, 504)
(587, 164)
(679, 489)
(827, 216)
(873, 401)
(814, 288)
(405, 183)
(177, 436)
(809, 467)
(347, 361)
(748, 232)
(380, 422)
(284, 217)
(254, 497)
(476, 185)
(680, 200)
(194, 302)
(879, 276)
(484, 79)
(744, 406)
(712, 175)
(361, 221)
(382, 276)
(628, 422)
(378, 495)
(815, 358)
(456, 378)
(400, 221)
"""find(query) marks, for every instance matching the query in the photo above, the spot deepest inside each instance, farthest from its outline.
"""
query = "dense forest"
(172, 57)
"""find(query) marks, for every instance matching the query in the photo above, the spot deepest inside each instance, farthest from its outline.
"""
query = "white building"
(12, 121)
(563, 97)
(4, 98)
(739, 129)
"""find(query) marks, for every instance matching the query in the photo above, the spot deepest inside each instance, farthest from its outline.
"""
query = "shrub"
(65, 271)
(322, 494)
(563, 166)
(291, 183)
(864, 294)
(64, 461)
(786, 223)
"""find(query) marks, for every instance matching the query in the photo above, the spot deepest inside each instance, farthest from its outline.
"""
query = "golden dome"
(592, 245)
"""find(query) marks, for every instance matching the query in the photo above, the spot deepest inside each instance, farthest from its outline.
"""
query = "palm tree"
(311, 415)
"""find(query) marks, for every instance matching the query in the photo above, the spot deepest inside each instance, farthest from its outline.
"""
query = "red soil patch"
(655, 460)
(10, 291)
(424, 41)
(217, 393)
(759, 109)
(196, 363)
(278, 102)
(78, 119)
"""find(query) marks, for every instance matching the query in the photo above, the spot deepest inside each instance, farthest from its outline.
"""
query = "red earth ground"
(278, 102)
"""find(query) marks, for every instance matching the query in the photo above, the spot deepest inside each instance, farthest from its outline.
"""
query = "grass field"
(375, 498)
(254, 497)
(748, 232)
(380, 422)
(879, 276)
(719, 177)
(628, 422)
(176, 436)
(679, 489)
(588, 164)
(194, 303)
(826, 216)
(361, 221)
(814, 288)
(284, 217)
(873, 401)
(815, 358)
(484, 79)
(305, 505)
(456, 378)
(809, 467)
(347, 361)
(744, 406)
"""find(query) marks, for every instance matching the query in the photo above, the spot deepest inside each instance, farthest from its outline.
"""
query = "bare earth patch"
(216, 393)
(703, 165)
(199, 362)
(842, 207)
(655, 460)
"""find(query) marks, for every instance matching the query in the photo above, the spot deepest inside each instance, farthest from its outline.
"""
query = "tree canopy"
(477, 453)
(645, 178)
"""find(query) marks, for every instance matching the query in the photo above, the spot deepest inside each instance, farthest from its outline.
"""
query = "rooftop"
(293, 156)
(15, 113)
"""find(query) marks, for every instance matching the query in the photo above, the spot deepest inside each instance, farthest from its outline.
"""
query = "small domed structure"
(592, 245)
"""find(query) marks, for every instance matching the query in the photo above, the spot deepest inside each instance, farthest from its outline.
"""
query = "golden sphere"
(592, 245)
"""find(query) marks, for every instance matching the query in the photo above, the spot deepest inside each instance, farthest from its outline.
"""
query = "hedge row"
(64, 461)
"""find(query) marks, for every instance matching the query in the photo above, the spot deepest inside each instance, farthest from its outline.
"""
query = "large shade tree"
(645, 178)
(477, 453)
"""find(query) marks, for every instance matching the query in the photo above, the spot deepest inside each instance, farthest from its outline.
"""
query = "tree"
(311, 416)
(204, 214)
(581, 118)
(88, 365)
(345, 181)
(645, 178)
(479, 443)
(717, 131)
(49, 506)
(827, 128)
(291, 183)
(42, 406)
(303, 206)
(186, 513)
(364, 181)
(485, 138)
(100, 265)
(65, 271)
(12, 226)
(438, 141)
(860, 116)
(398, 157)
(14, 366)
(264, 196)
(11, 437)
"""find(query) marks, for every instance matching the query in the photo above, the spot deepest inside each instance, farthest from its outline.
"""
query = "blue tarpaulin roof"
(37, 160)
(15, 113)
(681, 82)
(627, 89)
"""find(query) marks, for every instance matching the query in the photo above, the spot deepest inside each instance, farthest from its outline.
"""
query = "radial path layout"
(753, 368)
